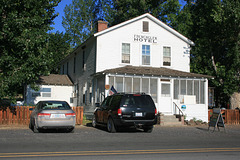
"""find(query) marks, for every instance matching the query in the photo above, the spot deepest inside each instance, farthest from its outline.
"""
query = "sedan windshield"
(55, 105)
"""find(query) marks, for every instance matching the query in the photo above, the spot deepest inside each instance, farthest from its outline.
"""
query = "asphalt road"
(178, 143)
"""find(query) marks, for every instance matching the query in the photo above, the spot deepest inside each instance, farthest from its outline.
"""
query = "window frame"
(145, 26)
(74, 64)
(166, 94)
(164, 56)
(125, 54)
(197, 87)
(145, 54)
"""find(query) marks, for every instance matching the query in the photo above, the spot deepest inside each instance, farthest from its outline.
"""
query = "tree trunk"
(235, 100)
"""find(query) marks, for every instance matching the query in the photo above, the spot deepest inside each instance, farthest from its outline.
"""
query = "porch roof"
(55, 79)
(153, 71)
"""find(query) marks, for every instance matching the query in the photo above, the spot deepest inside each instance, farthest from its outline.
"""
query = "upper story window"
(84, 61)
(145, 54)
(67, 68)
(74, 65)
(166, 56)
(145, 26)
(63, 69)
(125, 53)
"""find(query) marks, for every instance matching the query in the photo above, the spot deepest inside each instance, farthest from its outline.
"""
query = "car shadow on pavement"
(119, 130)
(54, 131)
(203, 129)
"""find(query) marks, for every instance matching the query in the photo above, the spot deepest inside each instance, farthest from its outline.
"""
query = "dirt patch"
(13, 127)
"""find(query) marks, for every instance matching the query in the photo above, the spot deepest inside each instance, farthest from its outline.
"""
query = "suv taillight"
(155, 112)
(119, 111)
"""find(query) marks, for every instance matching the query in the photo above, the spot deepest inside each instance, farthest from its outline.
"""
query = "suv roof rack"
(131, 93)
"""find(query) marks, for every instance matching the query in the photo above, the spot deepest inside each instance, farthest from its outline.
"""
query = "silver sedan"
(52, 115)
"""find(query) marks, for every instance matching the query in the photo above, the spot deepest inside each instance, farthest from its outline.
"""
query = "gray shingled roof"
(55, 79)
(152, 71)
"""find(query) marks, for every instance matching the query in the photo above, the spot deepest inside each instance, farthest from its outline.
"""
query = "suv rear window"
(116, 101)
(140, 101)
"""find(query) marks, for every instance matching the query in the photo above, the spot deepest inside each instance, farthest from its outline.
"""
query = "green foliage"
(23, 38)
(81, 16)
(79, 19)
(165, 10)
(214, 26)
(59, 46)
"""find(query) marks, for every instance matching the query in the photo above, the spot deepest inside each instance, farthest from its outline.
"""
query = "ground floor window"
(190, 87)
(135, 85)
(43, 92)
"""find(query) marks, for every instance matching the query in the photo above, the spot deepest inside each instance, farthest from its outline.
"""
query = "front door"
(165, 97)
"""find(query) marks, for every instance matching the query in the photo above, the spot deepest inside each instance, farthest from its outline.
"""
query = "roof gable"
(55, 79)
(157, 21)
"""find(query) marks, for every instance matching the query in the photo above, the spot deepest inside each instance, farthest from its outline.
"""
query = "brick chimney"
(102, 25)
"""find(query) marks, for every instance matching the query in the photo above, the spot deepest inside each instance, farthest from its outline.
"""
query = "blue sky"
(58, 20)
(59, 9)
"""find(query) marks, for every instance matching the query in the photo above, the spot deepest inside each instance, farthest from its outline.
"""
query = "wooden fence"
(230, 116)
(20, 115)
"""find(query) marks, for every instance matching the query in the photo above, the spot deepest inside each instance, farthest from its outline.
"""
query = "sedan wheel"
(110, 126)
(30, 125)
(35, 130)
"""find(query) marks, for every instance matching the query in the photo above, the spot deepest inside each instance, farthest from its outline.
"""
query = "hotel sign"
(141, 38)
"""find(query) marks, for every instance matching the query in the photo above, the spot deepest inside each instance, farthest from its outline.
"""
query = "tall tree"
(81, 17)
(59, 46)
(215, 29)
(23, 38)
(165, 10)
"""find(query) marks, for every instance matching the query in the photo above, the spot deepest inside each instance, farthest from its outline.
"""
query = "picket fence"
(20, 115)
(230, 116)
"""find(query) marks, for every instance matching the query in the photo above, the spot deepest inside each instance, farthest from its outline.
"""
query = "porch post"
(206, 92)
(206, 100)
(106, 83)
(158, 94)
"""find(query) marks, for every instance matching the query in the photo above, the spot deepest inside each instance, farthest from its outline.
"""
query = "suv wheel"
(110, 126)
(148, 129)
(94, 123)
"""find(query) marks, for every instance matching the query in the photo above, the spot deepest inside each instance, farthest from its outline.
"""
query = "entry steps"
(170, 120)
(88, 115)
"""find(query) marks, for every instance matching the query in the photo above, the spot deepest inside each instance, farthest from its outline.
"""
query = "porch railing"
(177, 110)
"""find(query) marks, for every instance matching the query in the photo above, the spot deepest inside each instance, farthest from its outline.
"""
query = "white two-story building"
(140, 55)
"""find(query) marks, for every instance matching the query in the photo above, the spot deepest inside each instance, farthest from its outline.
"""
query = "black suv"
(126, 110)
